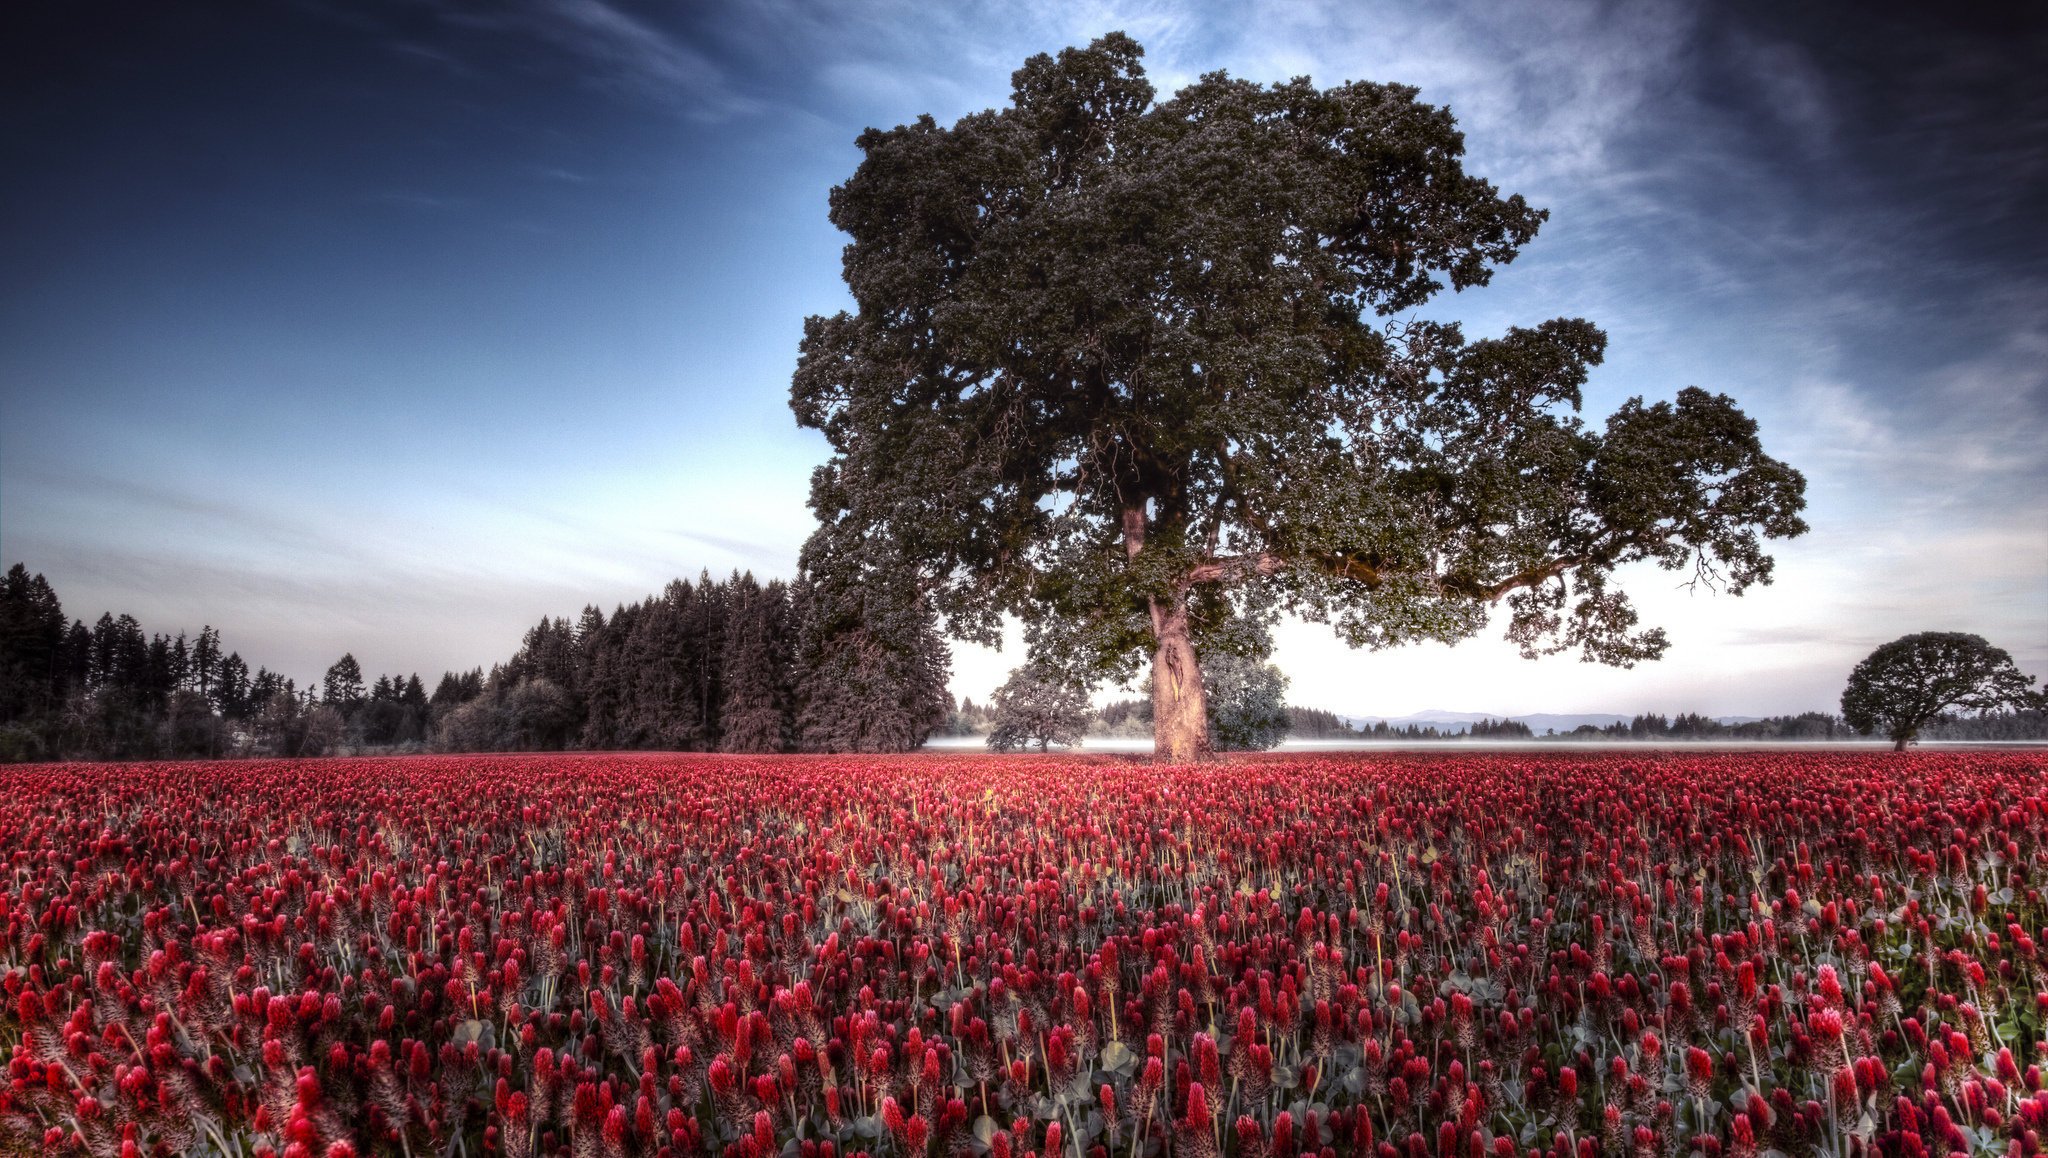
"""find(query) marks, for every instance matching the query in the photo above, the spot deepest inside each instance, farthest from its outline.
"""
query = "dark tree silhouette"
(1120, 367)
(1927, 678)
(870, 664)
(343, 684)
(758, 713)
(33, 674)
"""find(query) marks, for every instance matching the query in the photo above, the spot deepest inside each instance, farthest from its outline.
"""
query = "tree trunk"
(1180, 704)
(1899, 743)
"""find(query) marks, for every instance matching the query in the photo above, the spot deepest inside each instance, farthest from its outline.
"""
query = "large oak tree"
(1143, 372)
(1929, 677)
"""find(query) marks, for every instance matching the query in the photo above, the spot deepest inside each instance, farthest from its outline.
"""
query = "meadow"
(1399, 955)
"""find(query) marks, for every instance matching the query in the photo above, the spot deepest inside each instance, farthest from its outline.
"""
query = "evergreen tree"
(205, 659)
(77, 659)
(871, 666)
(265, 686)
(343, 685)
(231, 687)
(663, 709)
(32, 636)
(757, 714)
(607, 681)
(704, 646)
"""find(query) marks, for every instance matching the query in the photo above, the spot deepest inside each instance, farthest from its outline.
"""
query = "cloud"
(640, 56)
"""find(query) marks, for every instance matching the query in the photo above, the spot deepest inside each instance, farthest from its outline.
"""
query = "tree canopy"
(1926, 678)
(1139, 370)
(1037, 707)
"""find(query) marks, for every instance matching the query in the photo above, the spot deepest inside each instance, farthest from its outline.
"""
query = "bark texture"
(1180, 703)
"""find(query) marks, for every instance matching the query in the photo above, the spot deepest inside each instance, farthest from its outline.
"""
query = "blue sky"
(389, 327)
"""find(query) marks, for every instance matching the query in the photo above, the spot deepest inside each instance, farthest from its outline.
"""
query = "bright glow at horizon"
(392, 331)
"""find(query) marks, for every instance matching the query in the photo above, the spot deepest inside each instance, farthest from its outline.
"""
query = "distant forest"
(2025, 725)
(1132, 719)
(725, 665)
(729, 665)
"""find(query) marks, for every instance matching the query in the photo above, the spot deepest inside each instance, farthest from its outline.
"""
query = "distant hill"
(1538, 722)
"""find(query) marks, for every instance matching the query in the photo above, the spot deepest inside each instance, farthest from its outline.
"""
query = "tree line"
(827, 664)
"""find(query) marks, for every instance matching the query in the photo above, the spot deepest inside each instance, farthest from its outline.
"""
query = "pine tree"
(343, 685)
(205, 659)
(231, 687)
(607, 683)
(664, 709)
(32, 636)
(871, 667)
(704, 631)
(756, 715)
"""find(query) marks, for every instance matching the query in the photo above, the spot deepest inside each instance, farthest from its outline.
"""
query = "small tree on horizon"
(1138, 371)
(1927, 678)
(1035, 706)
(343, 684)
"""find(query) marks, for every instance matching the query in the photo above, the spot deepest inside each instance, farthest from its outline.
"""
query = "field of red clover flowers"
(1398, 956)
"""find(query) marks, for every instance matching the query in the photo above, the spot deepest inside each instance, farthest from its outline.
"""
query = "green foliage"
(871, 666)
(1114, 359)
(343, 684)
(758, 714)
(33, 675)
(1035, 706)
(1929, 677)
(1317, 724)
(1246, 710)
(709, 665)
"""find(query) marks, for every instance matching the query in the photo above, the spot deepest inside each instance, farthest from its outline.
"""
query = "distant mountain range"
(1538, 722)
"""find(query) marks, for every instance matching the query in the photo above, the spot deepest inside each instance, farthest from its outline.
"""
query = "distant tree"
(2024, 724)
(323, 727)
(1247, 711)
(177, 670)
(231, 687)
(667, 676)
(1317, 724)
(32, 646)
(607, 675)
(1036, 706)
(538, 716)
(188, 727)
(1121, 367)
(76, 678)
(454, 690)
(1929, 677)
(1500, 730)
(1125, 717)
(288, 725)
(550, 652)
(414, 695)
(870, 665)
(758, 711)
(343, 684)
(206, 660)
(265, 686)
